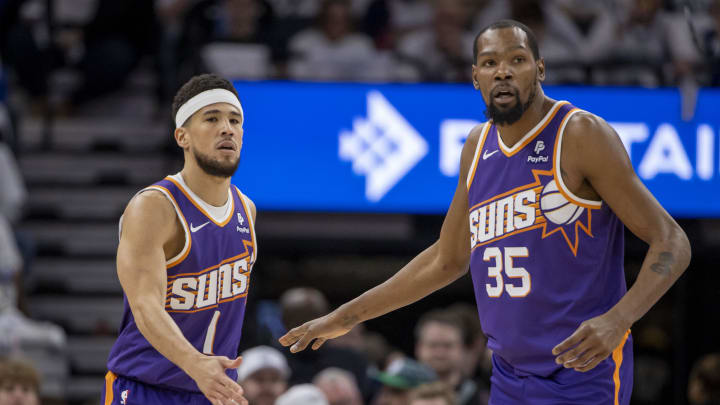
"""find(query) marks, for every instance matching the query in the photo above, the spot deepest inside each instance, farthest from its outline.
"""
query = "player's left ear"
(541, 69)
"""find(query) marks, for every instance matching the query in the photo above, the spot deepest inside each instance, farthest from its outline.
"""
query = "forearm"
(665, 261)
(426, 273)
(164, 335)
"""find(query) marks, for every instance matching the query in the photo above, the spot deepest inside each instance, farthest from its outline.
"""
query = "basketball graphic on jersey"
(556, 208)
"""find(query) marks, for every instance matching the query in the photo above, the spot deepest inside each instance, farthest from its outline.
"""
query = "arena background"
(85, 92)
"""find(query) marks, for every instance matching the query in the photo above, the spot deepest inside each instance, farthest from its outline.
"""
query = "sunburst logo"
(538, 205)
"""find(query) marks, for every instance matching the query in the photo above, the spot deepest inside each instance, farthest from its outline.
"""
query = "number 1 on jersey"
(210, 334)
(515, 291)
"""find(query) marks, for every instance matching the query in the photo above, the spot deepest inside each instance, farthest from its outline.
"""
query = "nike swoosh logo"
(194, 229)
(487, 155)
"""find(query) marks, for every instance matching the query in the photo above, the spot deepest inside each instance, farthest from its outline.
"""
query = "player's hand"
(592, 342)
(209, 374)
(320, 330)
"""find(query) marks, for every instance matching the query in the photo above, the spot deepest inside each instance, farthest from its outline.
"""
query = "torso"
(210, 253)
(557, 261)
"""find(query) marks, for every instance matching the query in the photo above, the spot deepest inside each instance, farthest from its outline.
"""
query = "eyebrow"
(208, 112)
(486, 53)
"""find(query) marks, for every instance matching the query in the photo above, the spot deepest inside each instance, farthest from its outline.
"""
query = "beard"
(214, 167)
(514, 113)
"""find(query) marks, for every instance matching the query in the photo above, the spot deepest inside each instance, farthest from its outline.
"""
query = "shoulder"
(151, 209)
(471, 143)
(585, 127)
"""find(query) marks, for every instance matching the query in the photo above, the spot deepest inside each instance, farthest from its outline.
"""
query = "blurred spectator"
(242, 35)
(332, 50)
(444, 52)
(12, 188)
(437, 393)
(487, 12)
(115, 40)
(401, 376)
(303, 394)
(263, 374)
(27, 48)
(339, 387)
(704, 383)
(707, 32)
(300, 305)
(387, 21)
(440, 344)
(644, 41)
(19, 383)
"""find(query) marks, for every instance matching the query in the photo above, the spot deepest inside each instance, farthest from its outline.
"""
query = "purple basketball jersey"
(543, 260)
(207, 285)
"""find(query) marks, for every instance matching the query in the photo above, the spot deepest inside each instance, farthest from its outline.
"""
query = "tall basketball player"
(187, 247)
(538, 215)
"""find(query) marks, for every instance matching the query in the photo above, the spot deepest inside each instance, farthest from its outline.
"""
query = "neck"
(213, 190)
(512, 133)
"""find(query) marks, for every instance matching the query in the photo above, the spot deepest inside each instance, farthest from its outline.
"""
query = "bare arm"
(437, 266)
(149, 224)
(599, 157)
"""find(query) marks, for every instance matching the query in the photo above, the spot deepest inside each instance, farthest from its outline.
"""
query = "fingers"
(301, 344)
(292, 336)
(578, 355)
(227, 363)
(571, 341)
(318, 342)
(590, 364)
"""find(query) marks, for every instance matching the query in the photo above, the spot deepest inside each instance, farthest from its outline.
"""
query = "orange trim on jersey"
(110, 378)
(186, 229)
(192, 200)
(552, 113)
(617, 357)
(556, 168)
(476, 158)
(240, 256)
(250, 225)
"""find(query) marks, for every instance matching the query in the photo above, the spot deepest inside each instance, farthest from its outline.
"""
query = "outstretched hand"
(592, 342)
(319, 330)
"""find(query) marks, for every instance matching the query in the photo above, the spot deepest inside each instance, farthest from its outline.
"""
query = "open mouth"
(504, 95)
(227, 145)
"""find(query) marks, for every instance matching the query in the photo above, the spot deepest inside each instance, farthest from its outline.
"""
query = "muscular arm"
(149, 224)
(595, 152)
(437, 266)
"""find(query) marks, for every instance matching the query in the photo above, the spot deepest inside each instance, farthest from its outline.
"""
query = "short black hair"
(532, 41)
(196, 85)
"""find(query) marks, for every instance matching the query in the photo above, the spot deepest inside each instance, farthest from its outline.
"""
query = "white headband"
(204, 99)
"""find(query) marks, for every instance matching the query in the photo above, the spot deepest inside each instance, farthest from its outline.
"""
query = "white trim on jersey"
(530, 133)
(558, 174)
(177, 211)
(218, 214)
(476, 157)
(246, 204)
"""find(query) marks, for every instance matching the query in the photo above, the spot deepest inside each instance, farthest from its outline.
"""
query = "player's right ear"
(181, 137)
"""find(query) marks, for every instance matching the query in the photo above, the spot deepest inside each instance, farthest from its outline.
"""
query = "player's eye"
(519, 59)
(234, 121)
(211, 119)
(488, 62)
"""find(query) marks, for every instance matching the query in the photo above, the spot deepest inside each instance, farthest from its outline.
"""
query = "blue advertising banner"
(396, 147)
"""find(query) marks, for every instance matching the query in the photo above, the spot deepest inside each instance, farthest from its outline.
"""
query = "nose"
(226, 128)
(503, 72)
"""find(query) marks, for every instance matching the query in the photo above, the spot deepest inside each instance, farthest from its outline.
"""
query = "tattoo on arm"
(663, 264)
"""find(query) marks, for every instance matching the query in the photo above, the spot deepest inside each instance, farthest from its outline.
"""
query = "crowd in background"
(604, 42)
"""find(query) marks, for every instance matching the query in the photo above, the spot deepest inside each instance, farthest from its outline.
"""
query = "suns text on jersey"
(491, 220)
(196, 292)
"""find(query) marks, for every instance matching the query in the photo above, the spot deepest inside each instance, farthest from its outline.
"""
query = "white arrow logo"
(384, 146)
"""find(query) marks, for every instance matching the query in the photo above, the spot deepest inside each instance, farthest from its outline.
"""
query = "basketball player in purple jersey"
(538, 215)
(187, 247)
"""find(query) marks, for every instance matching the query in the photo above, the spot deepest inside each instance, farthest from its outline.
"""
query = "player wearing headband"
(187, 247)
